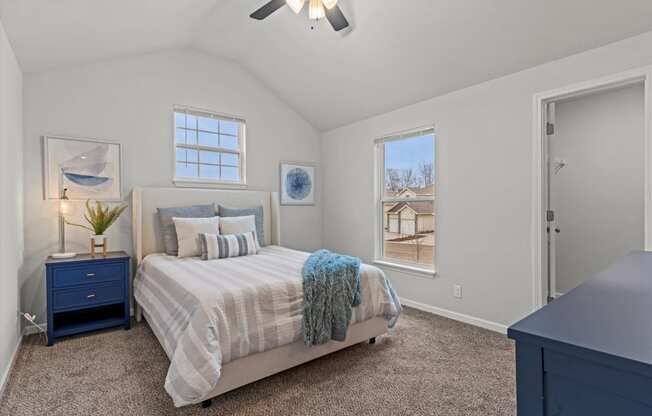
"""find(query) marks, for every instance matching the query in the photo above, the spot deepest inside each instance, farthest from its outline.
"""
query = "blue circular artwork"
(298, 184)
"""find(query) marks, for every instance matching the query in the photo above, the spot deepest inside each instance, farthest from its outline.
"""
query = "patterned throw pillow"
(215, 246)
(238, 225)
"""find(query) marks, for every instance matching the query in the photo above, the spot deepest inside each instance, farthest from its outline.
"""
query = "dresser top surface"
(113, 255)
(611, 313)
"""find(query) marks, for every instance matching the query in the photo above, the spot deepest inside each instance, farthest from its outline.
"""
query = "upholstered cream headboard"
(146, 231)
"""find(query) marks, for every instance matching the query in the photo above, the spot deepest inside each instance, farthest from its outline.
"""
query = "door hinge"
(550, 129)
(550, 215)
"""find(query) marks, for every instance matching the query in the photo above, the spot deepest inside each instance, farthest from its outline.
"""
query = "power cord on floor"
(32, 320)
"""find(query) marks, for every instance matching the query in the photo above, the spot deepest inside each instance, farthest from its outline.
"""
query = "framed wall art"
(87, 168)
(297, 183)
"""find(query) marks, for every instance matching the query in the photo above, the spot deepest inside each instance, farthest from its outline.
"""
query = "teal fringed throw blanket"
(331, 287)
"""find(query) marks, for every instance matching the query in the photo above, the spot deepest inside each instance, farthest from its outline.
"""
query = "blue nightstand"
(86, 294)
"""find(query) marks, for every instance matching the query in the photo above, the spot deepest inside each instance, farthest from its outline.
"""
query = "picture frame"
(86, 168)
(297, 183)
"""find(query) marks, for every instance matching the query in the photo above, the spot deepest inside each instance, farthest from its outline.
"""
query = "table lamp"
(64, 209)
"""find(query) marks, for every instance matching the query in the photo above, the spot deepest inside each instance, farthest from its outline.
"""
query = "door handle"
(91, 296)
(557, 230)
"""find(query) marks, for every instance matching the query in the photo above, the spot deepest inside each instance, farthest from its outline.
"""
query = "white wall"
(130, 100)
(598, 197)
(485, 183)
(11, 173)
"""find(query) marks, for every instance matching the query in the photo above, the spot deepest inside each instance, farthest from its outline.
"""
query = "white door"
(407, 226)
(597, 172)
(393, 224)
(551, 228)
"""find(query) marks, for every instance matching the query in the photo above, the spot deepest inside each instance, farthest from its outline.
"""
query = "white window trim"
(206, 182)
(379, 182)
(405, 268)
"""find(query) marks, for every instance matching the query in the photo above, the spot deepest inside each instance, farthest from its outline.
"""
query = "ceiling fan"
(317, 9)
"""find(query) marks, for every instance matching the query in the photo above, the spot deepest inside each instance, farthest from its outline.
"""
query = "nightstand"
(85, 294)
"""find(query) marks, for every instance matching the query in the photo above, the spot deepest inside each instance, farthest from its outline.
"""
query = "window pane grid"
(206, 164)
(207, 131)
(407, 198)
(207, 146)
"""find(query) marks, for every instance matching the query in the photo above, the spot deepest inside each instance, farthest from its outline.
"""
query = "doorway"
(596, 174)
(593, 180)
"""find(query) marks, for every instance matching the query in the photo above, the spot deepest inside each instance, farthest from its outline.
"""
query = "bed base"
(207, 403)
(255, 367)
(139, 312)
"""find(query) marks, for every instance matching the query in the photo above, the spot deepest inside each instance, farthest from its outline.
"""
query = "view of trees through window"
(398, 179)
(408, 199)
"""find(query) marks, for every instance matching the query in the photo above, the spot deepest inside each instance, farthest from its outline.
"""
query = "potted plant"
(100, 218)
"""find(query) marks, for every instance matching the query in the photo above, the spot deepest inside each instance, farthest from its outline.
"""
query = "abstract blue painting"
(297, 184)
(88, 169)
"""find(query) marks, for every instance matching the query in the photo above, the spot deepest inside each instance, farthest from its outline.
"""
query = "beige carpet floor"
(427, 365)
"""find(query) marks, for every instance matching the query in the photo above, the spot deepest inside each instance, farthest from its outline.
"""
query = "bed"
(229, 322)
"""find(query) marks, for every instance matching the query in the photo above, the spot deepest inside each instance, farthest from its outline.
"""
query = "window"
(406, 199)
(208, 147)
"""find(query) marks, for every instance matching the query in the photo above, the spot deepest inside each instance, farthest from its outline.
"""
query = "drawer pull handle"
(91, 296)
(90, 274)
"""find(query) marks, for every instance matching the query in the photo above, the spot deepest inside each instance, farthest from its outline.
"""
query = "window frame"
(380, 199)
(241, 152)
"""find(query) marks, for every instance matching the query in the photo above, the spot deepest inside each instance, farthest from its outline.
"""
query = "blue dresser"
(86, 294)
(590, 351)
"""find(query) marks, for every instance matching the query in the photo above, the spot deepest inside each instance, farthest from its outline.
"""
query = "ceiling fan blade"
(336, 18)
(267, 9)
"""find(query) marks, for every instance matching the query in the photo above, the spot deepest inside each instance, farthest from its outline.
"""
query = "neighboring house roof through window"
(420, 207)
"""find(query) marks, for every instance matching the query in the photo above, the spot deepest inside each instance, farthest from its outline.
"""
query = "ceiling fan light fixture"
(296, 5)
(316, 10)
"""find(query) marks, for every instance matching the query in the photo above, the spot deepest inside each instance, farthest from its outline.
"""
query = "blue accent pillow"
(165, 216)
(243, 212)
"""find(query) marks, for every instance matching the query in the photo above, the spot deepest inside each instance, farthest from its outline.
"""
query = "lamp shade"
(296, 5)
(64, 207)
(316, 10)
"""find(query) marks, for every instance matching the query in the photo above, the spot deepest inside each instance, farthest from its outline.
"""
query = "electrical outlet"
(457, 291)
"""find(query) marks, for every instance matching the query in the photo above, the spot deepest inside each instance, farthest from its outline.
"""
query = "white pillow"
(239, 225)
(188, 230)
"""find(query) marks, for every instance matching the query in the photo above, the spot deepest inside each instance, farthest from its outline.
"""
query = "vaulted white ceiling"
(399, 51)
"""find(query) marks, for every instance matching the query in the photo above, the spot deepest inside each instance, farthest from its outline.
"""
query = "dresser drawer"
(87, 296)
(616, 384)
(78, 275)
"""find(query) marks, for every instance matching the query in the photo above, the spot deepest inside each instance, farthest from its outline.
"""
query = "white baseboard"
(12, 361)
(472, 320)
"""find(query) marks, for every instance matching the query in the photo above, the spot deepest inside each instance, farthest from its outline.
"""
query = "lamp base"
(63, 255)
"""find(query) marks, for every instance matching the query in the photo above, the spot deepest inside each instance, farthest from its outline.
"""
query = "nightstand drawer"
(73, 276)
(87, 296)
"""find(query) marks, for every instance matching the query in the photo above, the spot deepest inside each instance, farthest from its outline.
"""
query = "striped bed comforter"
(208, 313)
